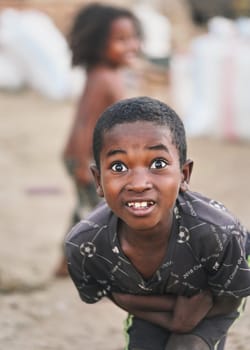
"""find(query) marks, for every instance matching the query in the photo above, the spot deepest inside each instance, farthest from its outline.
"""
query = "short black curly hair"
(141, 108)
(90, 30)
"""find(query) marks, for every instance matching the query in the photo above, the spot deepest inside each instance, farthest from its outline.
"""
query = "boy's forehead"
(137, 130)
(138, 124)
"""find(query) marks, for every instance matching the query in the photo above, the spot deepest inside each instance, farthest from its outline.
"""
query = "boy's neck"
(143, 239)
(145, 250)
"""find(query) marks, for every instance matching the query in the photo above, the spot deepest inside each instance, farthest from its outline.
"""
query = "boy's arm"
(144, 303)
(224, 305)
(188, 312)
(148, 308)
(177, 314)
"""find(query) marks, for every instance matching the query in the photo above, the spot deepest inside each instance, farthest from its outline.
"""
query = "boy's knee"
(186, 342)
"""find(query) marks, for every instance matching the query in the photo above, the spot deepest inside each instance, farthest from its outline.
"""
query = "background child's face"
(123, 42)
(140, 174)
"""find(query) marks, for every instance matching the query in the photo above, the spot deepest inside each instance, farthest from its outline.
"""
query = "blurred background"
(195, 57)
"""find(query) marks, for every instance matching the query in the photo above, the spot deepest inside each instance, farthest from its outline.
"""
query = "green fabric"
(127, 324)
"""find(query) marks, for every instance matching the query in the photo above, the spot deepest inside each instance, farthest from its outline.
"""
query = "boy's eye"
(159, 164)
(118, 167)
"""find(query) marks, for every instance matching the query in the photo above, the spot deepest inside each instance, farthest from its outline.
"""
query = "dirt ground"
(40, 312)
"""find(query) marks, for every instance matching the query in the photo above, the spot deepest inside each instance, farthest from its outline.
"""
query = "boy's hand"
(189, 312)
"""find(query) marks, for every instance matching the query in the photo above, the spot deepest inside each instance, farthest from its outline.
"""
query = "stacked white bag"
(242, 81)
(34, 53)
(218, 73)
(156, 30)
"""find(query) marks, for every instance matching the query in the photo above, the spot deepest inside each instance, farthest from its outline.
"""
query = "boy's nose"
(139, 181)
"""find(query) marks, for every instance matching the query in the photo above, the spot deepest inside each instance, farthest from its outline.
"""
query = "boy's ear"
(97, 178)
(186, 174)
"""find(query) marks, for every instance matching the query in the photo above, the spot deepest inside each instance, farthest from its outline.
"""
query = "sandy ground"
(37, 311)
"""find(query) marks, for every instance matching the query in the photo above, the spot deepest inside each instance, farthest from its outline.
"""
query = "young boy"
(174, 259)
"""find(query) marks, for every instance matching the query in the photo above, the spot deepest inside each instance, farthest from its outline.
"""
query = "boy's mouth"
(140, 204)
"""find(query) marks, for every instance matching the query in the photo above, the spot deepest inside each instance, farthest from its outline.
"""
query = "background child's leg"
(86, 200)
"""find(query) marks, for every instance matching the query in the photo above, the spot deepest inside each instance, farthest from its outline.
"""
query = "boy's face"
(140, 174)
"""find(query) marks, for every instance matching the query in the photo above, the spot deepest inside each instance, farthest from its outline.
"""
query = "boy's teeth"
(141, 205)
(138, 205)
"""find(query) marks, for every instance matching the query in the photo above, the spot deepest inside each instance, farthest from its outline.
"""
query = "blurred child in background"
(104, 39)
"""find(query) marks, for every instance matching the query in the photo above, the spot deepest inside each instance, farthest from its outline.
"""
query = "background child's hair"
(140, 109)
(90, 31)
